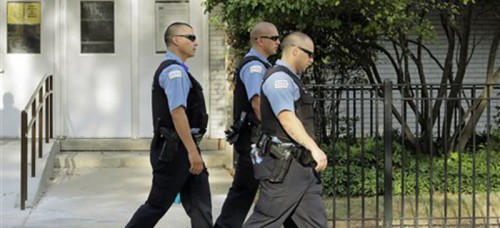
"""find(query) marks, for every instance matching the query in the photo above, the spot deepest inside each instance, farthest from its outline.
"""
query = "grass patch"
(429, 212)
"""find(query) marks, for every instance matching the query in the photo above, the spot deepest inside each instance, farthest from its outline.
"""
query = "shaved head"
(298, 51)
(173, 29)
(294, 39)
(260, 29)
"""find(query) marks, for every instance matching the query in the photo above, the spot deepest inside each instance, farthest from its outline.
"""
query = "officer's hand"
(196, 162)
(320, 158)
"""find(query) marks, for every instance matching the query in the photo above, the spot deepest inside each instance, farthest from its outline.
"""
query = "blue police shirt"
(175, 82)
(281, 90)
(252, 73)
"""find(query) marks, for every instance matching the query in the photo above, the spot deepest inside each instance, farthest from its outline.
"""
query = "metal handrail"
(41, 98)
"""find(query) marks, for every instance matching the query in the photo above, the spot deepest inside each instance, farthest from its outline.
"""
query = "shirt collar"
(283, 63)
(258, 55)
(171, 55)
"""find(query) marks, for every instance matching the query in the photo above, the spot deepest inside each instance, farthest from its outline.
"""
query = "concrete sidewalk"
(89, 196)
(10, 182)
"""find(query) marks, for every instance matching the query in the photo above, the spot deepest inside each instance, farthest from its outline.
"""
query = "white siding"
(480, 42)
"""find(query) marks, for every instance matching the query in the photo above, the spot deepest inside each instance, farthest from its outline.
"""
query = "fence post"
(388, 153)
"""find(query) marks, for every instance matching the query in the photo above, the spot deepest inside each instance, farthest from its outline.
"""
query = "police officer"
(287, 118)
(180, 118)
(264, 38)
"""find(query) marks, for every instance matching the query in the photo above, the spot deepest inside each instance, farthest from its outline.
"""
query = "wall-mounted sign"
(23, 27)
(166, 13)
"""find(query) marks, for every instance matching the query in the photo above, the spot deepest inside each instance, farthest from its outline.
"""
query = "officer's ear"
(258, 40)
(175, 40)
(295, 51)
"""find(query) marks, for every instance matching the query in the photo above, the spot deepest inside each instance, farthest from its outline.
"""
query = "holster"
(283, 157)
(283, 154)
(197, 138)
(170, 144)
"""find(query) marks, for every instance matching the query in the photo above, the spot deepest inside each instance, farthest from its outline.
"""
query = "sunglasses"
(273, 38)
(189, 37)
(309, 53)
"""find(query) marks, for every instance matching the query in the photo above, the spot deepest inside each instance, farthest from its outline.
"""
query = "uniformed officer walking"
(264, 38)
(180, 119)
(289, 158)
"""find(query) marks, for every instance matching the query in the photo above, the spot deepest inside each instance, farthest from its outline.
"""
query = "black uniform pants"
(241, 194)
(168, 180)
(297, 197)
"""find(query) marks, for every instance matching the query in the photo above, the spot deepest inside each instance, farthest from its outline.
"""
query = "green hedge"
(344, 176)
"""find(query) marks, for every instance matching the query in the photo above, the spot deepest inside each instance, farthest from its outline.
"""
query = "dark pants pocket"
(264, 169)
(271, 199)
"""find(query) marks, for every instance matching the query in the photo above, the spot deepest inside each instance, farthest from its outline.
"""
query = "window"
(23, 27)
(97, 27)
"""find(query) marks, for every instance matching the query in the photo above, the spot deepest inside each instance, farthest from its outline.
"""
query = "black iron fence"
(39, 106)
(411, 155)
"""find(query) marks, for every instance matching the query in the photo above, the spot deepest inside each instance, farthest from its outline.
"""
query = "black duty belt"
(164, 132)
(301, 154)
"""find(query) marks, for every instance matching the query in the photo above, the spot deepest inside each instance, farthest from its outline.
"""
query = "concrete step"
(124, 159)
(128, 144)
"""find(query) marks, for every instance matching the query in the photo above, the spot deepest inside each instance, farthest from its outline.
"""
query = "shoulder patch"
(281, 84)
(256, 69)
(175, 74)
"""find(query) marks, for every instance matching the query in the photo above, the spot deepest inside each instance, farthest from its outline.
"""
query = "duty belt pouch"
(283, 157)
(304, 157)
(170, 144)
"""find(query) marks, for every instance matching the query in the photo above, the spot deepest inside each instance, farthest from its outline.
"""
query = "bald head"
(298, 51)
(294, 39)
(173, 29)
(261, 29)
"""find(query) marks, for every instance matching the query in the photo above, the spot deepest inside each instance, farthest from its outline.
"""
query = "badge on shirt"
(281, 84)
(256, 69)
(175, 74)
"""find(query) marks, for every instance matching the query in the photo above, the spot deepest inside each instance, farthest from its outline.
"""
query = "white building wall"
(219, 88)
(20, 73)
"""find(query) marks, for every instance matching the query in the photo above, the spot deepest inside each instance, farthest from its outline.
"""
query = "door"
(155, 16)
(97, 69)
(27, 34)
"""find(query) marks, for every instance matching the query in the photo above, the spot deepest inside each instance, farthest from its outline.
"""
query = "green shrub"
(356, 165)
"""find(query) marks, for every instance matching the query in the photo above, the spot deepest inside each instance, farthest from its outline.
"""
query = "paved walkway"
(88, 197)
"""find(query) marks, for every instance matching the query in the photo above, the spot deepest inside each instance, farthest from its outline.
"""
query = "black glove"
(233, 132)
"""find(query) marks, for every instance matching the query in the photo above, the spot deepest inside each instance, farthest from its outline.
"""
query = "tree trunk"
(478, 108)
(456, 87)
